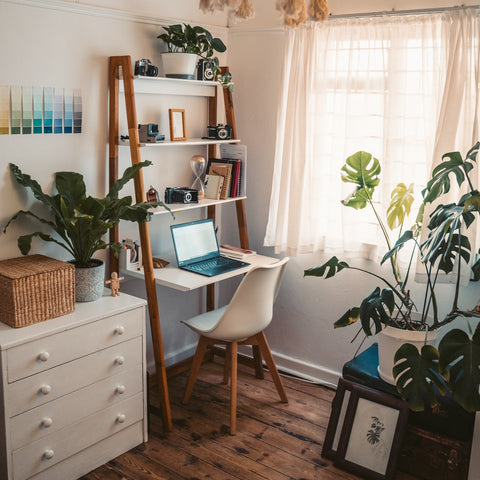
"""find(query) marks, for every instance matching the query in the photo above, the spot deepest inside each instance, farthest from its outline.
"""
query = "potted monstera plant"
(421, 370)
(80, 222)
(186, 44)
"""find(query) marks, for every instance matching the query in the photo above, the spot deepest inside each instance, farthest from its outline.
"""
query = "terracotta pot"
(390, 339)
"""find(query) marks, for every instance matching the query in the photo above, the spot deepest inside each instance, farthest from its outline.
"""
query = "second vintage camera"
(145, 68)
(205, 70)
(219, 132)
(181, 195)
(148, 133)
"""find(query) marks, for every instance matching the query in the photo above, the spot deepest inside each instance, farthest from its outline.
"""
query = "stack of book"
(235, 252)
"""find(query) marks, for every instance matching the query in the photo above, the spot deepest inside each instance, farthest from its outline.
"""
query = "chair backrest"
(251, 309)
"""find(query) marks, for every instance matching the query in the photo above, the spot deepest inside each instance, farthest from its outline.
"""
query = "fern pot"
(89, 281)
(390, 339)
(179, 65)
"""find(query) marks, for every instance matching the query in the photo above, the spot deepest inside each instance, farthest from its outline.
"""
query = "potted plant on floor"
(80, 222)
(185, 44)
(421, 371)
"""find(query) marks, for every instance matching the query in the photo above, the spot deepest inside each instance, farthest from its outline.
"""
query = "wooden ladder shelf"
(120, 67)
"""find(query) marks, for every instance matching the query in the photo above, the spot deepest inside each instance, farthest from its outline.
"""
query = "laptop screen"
(194, 241)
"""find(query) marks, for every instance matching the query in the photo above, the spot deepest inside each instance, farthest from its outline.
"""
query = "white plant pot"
(179, 65)
(390, 339)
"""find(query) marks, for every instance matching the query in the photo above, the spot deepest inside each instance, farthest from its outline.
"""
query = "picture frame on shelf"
(337, 417)
(177, 124)
(372, 434)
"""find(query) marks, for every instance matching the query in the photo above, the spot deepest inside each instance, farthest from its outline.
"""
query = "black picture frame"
(372, 434)
(337, 416)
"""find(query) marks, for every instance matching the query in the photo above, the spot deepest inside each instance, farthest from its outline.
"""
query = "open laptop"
(196, 249)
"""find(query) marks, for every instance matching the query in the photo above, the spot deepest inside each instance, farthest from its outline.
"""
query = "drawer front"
(51, 384)
(54, 448)
(54, 416)
(45, 353)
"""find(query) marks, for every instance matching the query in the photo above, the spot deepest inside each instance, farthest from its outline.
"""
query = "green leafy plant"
(184, 38)
(455, 365)
(80, 221)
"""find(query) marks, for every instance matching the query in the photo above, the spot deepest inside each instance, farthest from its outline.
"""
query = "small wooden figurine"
(114, 283)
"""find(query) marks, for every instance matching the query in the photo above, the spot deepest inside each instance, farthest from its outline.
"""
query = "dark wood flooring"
(274, 441)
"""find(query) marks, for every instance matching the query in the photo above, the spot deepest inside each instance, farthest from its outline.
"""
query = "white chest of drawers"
(73, 390)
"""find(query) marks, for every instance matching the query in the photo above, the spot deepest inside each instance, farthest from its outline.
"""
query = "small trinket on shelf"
(114, 283)
(152, 195)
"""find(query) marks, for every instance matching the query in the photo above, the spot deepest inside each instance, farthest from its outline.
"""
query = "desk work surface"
(174, 277)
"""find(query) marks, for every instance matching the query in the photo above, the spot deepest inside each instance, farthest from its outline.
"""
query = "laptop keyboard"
(209, 264)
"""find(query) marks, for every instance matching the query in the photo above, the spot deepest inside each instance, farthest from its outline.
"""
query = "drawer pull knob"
(121, 418)
(120, 360)
(45, 389)
(46, 422)
(120, 330)
(48, 454)
(120, 389)
(43, 356)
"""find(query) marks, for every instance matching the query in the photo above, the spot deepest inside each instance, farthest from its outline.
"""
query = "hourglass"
(198, 164)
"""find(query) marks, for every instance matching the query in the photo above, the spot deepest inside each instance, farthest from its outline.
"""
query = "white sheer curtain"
(403, 88)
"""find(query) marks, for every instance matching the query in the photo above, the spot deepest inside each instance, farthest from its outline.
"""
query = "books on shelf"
(213, 186)
(232, 166)
(235, 252)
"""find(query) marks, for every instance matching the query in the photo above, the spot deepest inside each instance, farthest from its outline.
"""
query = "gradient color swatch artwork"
(27, 110)
(4, 110)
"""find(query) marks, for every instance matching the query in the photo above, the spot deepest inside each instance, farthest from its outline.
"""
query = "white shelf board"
(206, 202)
(181, 143)
(172, 86)
(184, 281)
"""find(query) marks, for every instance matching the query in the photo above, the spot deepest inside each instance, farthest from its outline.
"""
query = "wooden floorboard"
(274, 441)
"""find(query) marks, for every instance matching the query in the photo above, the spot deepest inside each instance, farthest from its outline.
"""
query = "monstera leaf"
(349, 317)
(400, 205)
(372, 309)
(417, 374)
(461, 356)
(329, 269)
(363, 170)
(399, 244)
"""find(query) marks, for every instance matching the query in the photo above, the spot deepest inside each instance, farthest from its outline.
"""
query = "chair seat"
(205, 322)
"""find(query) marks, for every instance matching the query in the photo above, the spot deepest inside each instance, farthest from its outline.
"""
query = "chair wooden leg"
(203, 342)
(233, 388)
(257, 359)
(267, 355)
(226, 367)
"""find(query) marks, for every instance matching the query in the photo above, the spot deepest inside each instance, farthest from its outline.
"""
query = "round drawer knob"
(48, 454)
(120, 330)
(45, 389)
(43, 356)
(120, 389)
(120, 360)
(46, 422)
(121, 418)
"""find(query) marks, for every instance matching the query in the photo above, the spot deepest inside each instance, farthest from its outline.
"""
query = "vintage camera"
(220, 132)
(181, 195)
(205, 70)
(148, 133)
(144, 67)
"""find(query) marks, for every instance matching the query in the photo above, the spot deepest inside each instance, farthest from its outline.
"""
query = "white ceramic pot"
(390, 339)
(179, 65)
(89, 282)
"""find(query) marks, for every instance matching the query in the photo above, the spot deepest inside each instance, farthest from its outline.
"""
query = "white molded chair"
(241, 322)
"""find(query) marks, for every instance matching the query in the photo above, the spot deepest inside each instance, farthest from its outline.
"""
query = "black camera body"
(205, 70)
(145, 68)
(148, 133)
(181, 195)
(219, 132)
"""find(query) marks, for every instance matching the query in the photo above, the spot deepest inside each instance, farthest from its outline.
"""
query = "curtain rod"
(394, 12)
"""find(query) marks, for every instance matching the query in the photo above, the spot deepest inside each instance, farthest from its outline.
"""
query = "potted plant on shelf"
(421, 370)
(185, 44)
(81, 221)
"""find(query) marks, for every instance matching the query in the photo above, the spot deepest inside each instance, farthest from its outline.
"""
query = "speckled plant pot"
(89, 282)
